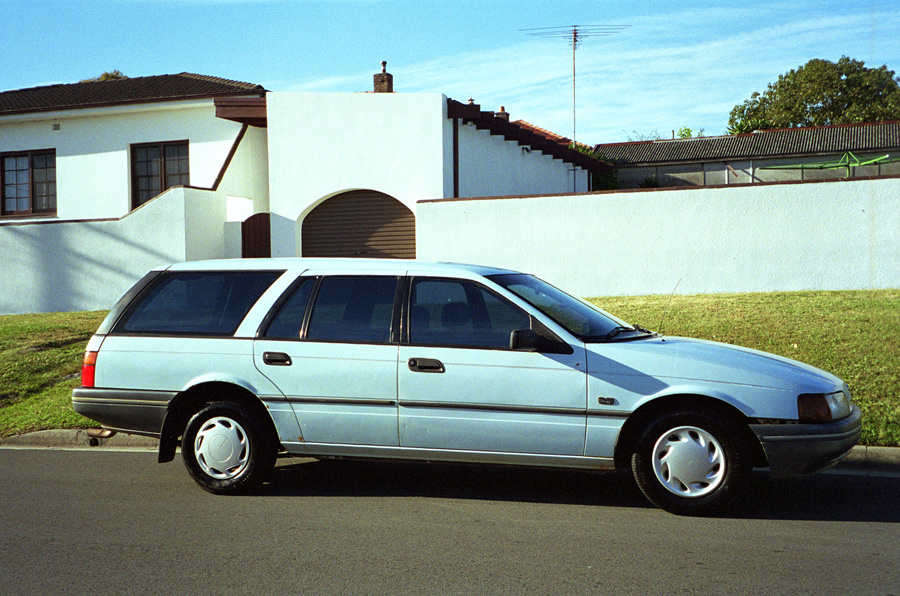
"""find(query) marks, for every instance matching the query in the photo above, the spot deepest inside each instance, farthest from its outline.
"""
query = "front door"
(461, 387)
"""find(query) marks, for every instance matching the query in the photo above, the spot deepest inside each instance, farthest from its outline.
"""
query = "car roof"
(359, 265)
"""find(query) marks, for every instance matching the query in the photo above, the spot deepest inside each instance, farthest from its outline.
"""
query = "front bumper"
(797, 449)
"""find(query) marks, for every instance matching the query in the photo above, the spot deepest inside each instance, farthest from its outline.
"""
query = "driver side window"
(446, 312)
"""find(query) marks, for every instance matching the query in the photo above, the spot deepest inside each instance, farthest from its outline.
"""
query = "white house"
(103, 180)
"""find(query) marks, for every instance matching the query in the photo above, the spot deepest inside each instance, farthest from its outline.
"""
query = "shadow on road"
(821, 497)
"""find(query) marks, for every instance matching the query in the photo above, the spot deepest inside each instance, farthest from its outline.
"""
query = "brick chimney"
(502, 114)
(384, 81)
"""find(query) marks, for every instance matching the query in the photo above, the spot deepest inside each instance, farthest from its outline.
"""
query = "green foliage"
(653, 135)
(749, 125)
(822, 92)
(603, 180)
(686, 133)
(112, 75)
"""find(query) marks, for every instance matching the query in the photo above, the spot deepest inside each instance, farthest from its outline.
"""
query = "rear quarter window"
(195, 303)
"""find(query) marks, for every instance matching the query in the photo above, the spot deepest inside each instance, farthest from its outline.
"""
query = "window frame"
(148, 293)
(407, 309)
(265, 328)
(318, 279)
(162, 175)
(31, 211)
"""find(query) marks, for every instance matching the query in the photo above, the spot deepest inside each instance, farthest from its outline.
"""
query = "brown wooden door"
(256, 237)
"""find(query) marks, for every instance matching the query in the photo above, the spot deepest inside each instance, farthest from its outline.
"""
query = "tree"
(111, 75)
(686, 133)
(749, 125)
(822, 92)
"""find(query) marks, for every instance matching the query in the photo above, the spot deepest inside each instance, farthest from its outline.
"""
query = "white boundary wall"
(69, 266)
(754, 238)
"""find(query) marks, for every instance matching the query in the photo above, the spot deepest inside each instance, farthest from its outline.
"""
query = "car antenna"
(666, 311)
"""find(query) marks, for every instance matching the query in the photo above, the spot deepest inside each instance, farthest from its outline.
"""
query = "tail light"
(88, 369)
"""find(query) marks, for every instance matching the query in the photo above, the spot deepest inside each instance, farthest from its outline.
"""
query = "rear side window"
(288, 320)
(195, 303)
(353, 309)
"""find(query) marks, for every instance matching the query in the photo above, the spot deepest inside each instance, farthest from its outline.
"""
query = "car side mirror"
(525, 340)
(529, 340)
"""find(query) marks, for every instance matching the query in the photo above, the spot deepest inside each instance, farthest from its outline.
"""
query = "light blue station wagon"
(239, 361)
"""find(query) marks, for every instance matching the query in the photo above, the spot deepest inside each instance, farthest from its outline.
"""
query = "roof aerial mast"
(575, 34)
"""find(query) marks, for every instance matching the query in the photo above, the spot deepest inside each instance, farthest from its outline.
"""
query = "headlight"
(822, 407)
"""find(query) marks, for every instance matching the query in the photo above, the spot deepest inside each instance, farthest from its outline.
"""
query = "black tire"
(226, 449)
(690, 463)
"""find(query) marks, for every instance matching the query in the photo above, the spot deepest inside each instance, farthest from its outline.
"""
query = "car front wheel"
(226, 450)
(689, 463)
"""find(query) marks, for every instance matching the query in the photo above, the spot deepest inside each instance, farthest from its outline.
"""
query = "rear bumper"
(137, 412)
(797, 449)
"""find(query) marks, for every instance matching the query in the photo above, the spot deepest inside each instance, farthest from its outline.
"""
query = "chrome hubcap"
(689, 462)
(222, 448)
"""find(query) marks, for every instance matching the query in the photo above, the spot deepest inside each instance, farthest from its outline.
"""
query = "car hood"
(700, 360)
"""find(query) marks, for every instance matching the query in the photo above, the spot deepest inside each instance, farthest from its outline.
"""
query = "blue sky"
(676, 65)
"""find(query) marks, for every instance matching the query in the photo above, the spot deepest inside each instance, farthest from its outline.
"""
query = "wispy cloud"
(658, 75)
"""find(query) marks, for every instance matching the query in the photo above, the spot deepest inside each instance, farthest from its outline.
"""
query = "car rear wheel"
(689, 463)
(226, 450)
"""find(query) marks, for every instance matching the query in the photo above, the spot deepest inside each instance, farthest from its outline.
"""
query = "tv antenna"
(575, 34)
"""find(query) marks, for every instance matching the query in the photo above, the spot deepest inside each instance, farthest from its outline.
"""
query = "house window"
(156, 167)
(28, 183)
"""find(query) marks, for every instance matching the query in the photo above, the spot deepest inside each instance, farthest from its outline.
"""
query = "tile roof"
(121, 91)
(551, 136)
(875, 136)
(524, 133)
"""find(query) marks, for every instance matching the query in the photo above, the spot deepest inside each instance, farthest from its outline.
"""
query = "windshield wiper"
(617, 330)
(626, 329)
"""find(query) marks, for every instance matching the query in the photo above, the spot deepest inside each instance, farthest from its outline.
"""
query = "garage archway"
(360, 223)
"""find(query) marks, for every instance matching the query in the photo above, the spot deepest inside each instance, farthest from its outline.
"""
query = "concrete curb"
(861, 458)
(871, 459)
(77, 439)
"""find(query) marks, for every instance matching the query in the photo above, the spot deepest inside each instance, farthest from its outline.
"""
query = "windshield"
(581, 319)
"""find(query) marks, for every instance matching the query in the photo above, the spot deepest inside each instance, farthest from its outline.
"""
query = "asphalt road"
(108, 522)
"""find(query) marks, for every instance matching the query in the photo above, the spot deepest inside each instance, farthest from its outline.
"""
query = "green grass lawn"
(853, 334)
(40, 364)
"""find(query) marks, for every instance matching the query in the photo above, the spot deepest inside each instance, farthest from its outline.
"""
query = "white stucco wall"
(92, 149)
(321, 144)
(755, 238)
(492, 166)
(65, 266)
(247, 176)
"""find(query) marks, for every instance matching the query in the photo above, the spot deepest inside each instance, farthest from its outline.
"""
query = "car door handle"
(276, 359)
(428, 365)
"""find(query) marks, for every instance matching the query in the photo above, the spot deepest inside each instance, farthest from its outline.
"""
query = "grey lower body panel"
(798, 449)
(450, 456)
(129, 411)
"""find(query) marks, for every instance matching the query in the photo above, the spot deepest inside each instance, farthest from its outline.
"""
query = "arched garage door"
(360, 223)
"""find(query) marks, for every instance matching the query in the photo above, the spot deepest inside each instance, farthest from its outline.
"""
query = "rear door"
(462, 388)
(329, 347)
